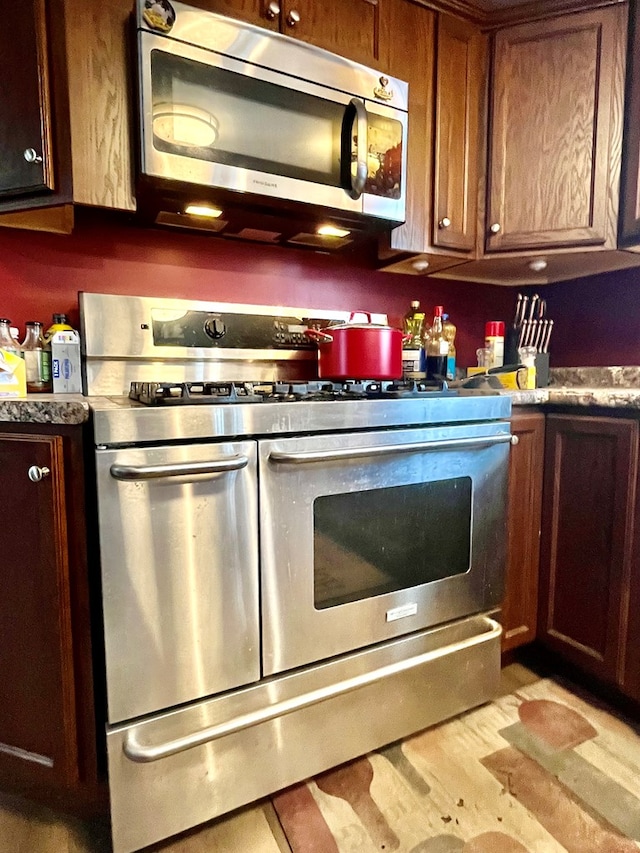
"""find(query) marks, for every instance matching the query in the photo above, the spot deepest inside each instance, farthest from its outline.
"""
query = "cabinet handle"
(495, 228)
(515, 440)
(445, 222)
(32, 156)
(36, 474)
(272, 11)
(293, 18)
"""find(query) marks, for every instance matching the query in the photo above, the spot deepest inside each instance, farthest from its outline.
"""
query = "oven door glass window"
(368, 543)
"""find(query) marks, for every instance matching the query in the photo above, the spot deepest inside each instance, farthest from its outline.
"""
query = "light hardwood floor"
(433, 792)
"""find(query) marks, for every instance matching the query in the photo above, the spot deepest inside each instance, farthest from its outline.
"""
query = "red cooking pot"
(358, 350)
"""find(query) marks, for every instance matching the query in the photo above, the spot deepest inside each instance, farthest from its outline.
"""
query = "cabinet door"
(350, 29)
(25, 109)
(263, 13)
(37, 714)
(630, 179)
(589, 482)
(416, 66)
(520, 608)
(553, 143)
(459, 76)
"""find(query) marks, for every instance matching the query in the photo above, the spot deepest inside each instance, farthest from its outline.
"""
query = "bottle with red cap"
(494, 343)
(436, 348)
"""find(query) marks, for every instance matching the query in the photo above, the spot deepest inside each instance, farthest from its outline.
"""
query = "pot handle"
(318, 337)
(354, 314)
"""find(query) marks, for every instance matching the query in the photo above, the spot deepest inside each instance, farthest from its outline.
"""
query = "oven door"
(215, 121)
(367, 536)
(179, 552)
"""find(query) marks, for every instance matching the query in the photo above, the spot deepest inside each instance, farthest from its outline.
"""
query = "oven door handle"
(305, 456)
(178, 469)
(145, 753)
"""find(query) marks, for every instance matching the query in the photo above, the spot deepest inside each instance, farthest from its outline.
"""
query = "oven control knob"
(215, 328)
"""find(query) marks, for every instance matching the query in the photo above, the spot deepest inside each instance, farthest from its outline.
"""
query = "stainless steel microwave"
(238, 116)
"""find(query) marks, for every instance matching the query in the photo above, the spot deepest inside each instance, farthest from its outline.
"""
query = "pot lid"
(350, 324)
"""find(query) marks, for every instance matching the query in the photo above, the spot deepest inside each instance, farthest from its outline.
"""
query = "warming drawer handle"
(144, 753)
(306, 456)
(179, 469)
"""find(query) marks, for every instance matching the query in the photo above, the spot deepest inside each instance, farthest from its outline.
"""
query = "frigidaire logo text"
(265, 183)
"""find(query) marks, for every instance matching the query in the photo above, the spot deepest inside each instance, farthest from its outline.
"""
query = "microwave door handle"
(355, 114)
(307, 456)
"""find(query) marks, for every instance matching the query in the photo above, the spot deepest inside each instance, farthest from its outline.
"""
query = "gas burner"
(289, 392)
(181, 393)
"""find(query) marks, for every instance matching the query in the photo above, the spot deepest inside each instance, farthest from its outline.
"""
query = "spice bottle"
(436, 348)
(37, 358)
(494, 342)
(59, 323)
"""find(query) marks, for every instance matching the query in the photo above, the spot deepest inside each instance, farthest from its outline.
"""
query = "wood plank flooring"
(542, 769)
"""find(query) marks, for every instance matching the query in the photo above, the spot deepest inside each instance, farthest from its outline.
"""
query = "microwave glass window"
(212, 114)
(384, 157)
(379, 541)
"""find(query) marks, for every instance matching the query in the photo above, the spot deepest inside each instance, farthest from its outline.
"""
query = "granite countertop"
(607, 387)
(45, 409)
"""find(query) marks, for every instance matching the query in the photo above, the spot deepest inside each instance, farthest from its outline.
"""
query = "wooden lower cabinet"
(587, 542)
(520, 607)
(47, 718)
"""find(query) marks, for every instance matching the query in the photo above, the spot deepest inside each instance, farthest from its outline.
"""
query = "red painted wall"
(596, 319)
(43, 273)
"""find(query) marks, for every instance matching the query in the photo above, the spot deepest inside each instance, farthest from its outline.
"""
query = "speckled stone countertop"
(45, 409)
(607, 387)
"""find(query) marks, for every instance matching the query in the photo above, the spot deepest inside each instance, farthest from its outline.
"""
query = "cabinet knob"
(495, 228)
(272, 10)
(515, 439)
(293, 18)
(36, 473)
(445, 222)
(32, 156)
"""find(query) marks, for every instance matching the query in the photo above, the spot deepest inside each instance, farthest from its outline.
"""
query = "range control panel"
(203, 329)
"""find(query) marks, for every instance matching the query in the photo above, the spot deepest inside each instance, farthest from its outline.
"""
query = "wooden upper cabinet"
(629, 230)
(587, 540)
(350, 29)
(520, 607)
(459, 79)
(25, 104)
(554, 145)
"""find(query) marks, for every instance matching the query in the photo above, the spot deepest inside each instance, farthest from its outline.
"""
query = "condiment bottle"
(37, 358)
(59, 324)
(437, 348)
(494, 342)
(7, 341)
(412, 324)
(449, 332)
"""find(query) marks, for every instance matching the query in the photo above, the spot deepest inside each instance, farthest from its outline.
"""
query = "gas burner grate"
(186, 393)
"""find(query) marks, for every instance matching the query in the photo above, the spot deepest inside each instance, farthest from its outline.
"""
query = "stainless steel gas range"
(294, 572)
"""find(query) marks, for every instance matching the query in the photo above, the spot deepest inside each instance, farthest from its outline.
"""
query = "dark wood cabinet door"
(459, 79)
(26, 164)
(587, 531)
(351, 29)
(520, 607)
(38, 742)
(554, 145)
(629, 226)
